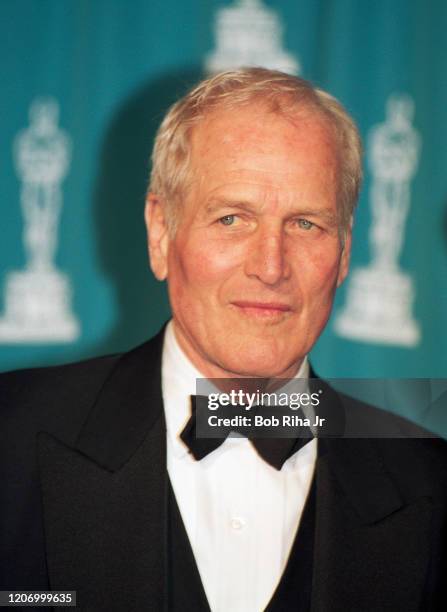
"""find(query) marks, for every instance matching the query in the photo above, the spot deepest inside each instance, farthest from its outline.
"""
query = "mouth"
(262, 310)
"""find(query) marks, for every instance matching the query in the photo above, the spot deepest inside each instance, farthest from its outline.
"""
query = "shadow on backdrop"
(118, 211)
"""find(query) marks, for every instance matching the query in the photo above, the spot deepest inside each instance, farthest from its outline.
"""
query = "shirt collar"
(179, 377)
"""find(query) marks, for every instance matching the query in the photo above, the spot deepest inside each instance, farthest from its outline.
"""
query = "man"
(255, 178)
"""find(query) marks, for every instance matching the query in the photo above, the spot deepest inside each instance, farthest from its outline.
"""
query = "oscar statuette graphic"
(380, 296)
(38, 298)
(249, 34)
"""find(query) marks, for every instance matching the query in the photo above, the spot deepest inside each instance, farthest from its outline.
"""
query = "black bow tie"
(275, 451)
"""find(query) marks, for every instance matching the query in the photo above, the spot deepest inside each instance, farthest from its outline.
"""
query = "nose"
(267, 258)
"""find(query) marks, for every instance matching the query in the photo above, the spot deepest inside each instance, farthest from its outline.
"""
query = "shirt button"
(237, 523)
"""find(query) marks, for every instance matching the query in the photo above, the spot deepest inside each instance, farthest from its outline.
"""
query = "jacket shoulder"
(56, 397)
(414, 457)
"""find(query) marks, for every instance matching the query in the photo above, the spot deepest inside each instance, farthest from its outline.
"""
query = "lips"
(262, 309)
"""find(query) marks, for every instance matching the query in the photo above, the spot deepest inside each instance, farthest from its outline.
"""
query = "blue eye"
(305, 224)
(227, 220)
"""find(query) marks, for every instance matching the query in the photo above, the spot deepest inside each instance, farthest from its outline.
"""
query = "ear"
(157, 236)
(345, 257)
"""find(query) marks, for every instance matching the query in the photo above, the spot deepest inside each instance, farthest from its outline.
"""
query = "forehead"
(264, 150)
(229, 138)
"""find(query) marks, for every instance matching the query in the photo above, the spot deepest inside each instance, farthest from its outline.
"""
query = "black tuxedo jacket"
(83, 490)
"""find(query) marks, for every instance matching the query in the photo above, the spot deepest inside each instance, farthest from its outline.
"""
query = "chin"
(249, 366)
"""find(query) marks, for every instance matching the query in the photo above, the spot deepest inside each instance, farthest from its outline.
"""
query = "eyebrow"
(217, 203)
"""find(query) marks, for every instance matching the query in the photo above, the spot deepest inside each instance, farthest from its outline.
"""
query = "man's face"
(257, 256)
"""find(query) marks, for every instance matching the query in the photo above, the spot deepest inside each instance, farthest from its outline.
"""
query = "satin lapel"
(105, 500)
(363, 526)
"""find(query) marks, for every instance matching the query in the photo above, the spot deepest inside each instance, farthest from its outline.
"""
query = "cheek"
(199, 265)
(318, 267)
(215, 263)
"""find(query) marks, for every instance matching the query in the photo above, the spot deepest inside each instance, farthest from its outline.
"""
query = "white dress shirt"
(241, 515)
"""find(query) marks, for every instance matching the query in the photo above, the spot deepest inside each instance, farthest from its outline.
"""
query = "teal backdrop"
(99, 74)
